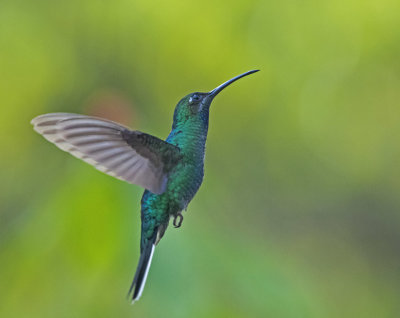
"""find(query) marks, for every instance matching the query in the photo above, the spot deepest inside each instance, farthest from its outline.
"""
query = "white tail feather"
(145, 275)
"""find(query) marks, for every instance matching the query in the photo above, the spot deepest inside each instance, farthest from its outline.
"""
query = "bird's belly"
(183, 184)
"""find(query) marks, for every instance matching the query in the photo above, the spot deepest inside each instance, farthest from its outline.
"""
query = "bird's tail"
(142, 269)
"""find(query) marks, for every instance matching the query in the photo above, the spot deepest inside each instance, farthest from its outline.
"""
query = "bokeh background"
(299, 212)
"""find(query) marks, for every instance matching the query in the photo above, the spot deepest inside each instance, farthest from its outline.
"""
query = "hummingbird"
(170, 171)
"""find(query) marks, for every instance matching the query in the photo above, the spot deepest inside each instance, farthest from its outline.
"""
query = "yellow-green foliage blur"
(299, 212)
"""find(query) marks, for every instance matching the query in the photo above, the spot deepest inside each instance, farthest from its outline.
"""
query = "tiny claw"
(179, 223)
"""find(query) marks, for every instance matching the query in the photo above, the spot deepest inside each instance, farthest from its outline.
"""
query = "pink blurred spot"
(112, 105)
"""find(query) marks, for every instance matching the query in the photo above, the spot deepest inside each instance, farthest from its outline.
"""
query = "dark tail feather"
(142, 270)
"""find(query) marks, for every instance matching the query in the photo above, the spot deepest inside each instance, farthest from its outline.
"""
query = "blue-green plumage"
(171, 171)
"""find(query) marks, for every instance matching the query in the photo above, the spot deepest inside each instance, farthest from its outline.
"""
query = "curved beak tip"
(218, 89)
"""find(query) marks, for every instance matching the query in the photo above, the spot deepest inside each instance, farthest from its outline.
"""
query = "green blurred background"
(298, 215)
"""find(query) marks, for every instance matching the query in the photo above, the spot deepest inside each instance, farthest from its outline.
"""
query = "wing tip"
(36, 119)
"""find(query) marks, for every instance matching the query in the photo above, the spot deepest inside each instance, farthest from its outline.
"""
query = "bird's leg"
(176, 217)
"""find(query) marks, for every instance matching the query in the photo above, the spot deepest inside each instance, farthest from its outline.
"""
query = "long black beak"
(218, 89)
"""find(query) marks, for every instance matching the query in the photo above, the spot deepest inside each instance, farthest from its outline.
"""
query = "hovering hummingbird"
(171, 171)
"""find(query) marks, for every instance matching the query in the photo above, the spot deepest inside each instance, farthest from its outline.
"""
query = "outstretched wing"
(128, 155)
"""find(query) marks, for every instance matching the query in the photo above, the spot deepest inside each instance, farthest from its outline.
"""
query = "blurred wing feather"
(128, 155)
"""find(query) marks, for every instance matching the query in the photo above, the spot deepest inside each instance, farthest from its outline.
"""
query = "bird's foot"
(178, 219)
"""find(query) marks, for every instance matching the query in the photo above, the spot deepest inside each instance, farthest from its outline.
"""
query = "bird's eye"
(194, 99)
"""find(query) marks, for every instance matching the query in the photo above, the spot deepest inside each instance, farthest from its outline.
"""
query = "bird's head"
(197, 105)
